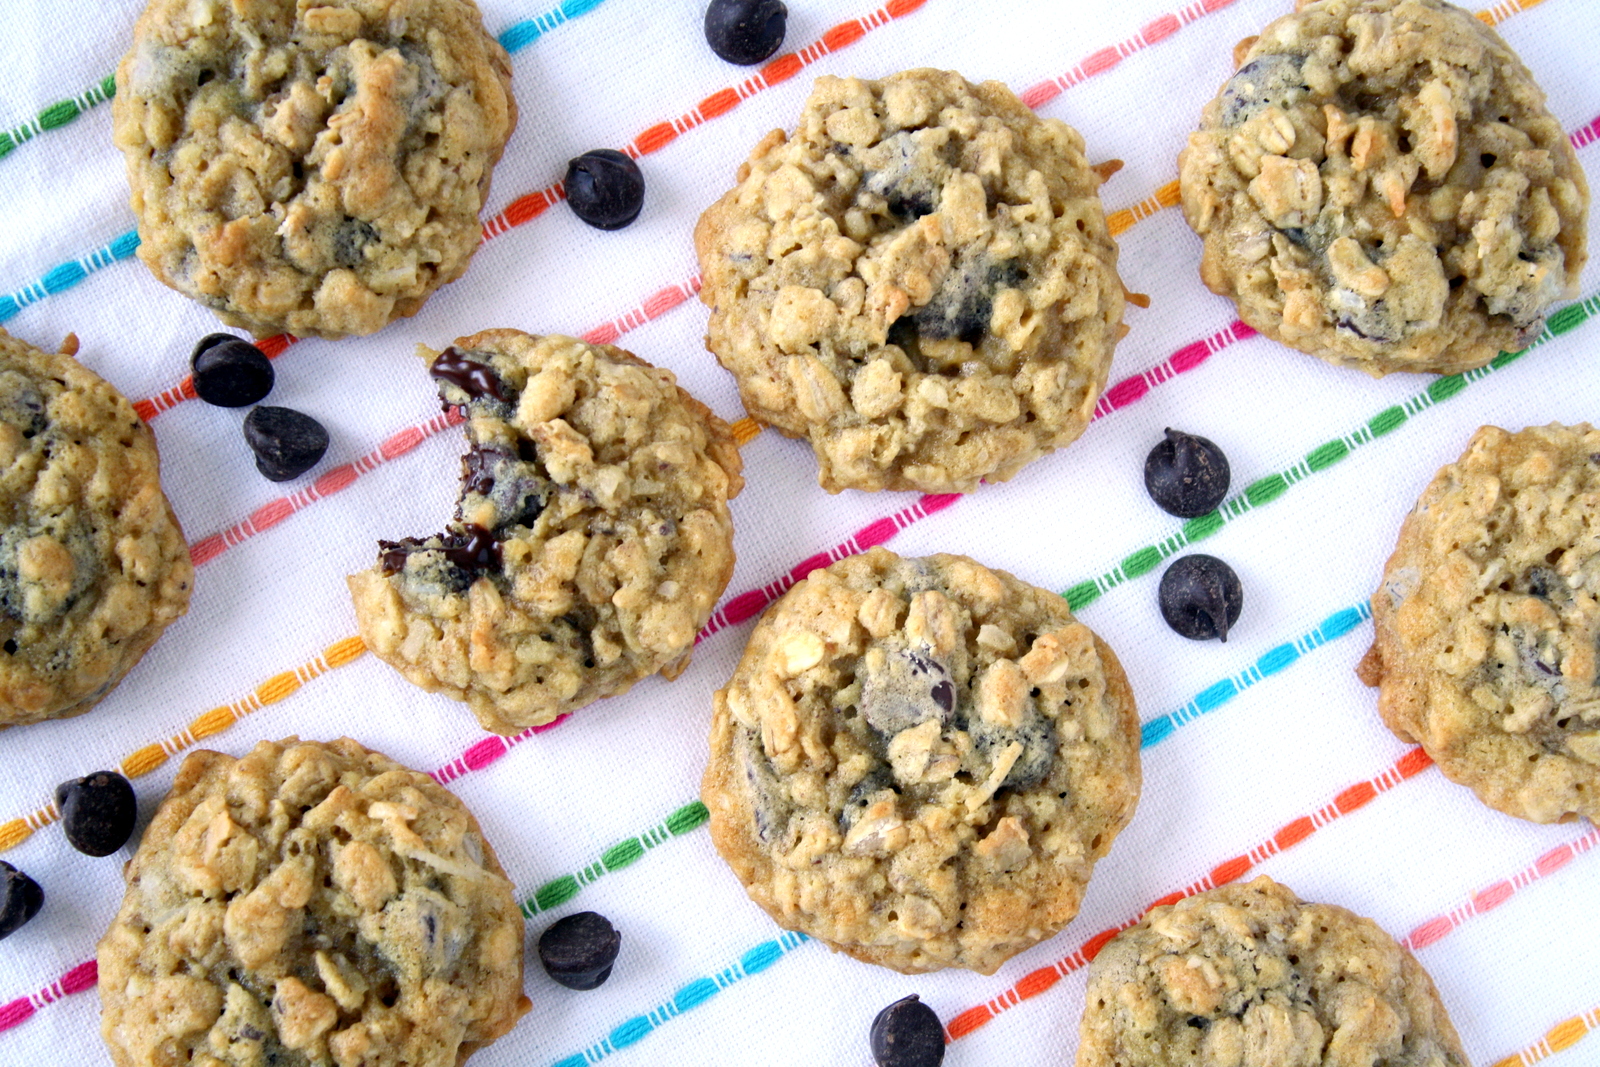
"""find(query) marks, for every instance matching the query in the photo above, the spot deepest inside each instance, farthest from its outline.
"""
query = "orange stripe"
(1558, 1038)
(143, 761)
(1407, 766)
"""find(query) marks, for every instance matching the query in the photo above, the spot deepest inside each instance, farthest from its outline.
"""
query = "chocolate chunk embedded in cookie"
(93, 566)
(919, 280)
(920, 760)
(310, 903)
(315, 168)
(1250, 974)
(1381, 185)
(1488, 622)
(590, 543)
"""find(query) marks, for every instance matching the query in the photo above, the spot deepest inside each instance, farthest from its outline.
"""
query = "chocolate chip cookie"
(310, 903)
(1250, 974)
(919, 761)
(590, 543)
(1381, 185)
(1488, 622)
(919, 280)
(315, 166)
(93, 566)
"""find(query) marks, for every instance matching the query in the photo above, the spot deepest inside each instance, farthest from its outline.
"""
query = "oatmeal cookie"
(310, 904)
(93, 565)
(919, 280)
(1381, 185)
(1250, 974)
(591, 540)
(1488, 621)
(919, 761)
(315, 167)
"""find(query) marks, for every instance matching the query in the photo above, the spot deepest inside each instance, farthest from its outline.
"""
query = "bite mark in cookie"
(589, 543)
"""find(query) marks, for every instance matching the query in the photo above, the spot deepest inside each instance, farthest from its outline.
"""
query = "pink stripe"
(1493, 896)
(1185, 359)
(80, 977)
(17, 1011)
(1587, 136)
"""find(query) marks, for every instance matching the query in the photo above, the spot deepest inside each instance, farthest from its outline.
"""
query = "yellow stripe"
(215, 721)
(1558, 1038)
(745, 430)
(1504, 10)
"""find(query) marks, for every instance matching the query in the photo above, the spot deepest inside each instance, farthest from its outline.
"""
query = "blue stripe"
(65, 275)
(692, 995)
(1274, 660)
(524, 33)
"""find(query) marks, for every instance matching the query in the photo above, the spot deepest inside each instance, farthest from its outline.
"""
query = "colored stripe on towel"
(1560, 1037)
(689, 996)
(1491, 897)
(147, 759)
(1269, 663)
(1269, 488)
(558, 891)
(1352, 799)
(526, 208)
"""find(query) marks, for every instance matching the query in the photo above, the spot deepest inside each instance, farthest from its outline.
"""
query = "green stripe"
(59, 114)
(1265, 490)
(558, 891)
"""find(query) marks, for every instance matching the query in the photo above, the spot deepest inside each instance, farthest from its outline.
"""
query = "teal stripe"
(1264, 490)
(528, 31)
(691, 995)
(66, 275)
(1269, 663)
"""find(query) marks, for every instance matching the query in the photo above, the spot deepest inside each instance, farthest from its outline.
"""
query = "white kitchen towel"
(1263, 755)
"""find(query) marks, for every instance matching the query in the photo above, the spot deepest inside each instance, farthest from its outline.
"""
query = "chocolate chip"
(605, 188)
(908, 1034)
(578, 951)
(350, 241)
(1270, 81)
(20, 899)
(471, 551)
(476, 379)
(745, 31)
(944, 695)
(97, 812)
(230, 372)
(1186, 475)
(286, 442)
(1201, 597)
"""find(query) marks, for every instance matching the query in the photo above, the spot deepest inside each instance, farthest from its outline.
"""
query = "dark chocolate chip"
(944, 695)
(1186, 475)
(605, 188)
(230, 372)
(286, 442)
(97, 812)
(1268, 81)
(908, 1034)
(476, 379)
(1201, 597)
(350, 241)
(578, 951)
(20, 899)
(745, 31)
(474, 549)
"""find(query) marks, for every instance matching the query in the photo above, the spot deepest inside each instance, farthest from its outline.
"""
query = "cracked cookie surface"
(311, 167)
(590, 543)
(93, 566)
(919, 761)
(1381, 185)
(1251, 976)
(310, 905)
(1487, 623)
(919, 280)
